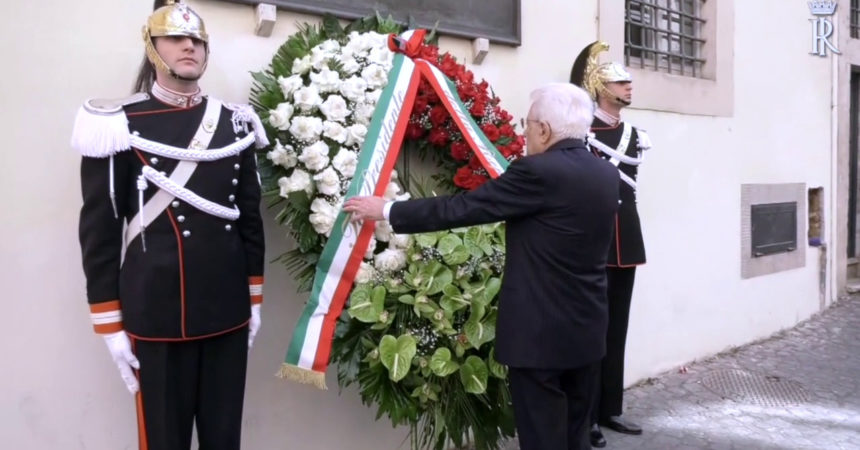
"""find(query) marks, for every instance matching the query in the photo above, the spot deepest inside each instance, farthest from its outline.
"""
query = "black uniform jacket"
(628, 247)
(559, 207)
(192, 281)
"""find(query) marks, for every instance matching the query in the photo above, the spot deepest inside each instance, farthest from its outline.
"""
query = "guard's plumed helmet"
(172, 19)
(588, 74)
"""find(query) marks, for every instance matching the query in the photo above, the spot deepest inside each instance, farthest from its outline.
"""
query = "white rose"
(345, 161)
(374, 39)
(357, 133)
(375, 76)
(391, 190)
(327, 80)
(305, 128)
(335, 131)
(280, 117)
(365, 273)
(371, 247)
(290, 84)
(281, 155)
(358, 44)
(353, 88)
(307, 98)
(315, 156)
(323, 216)
(363, 113)
(328, 182)
(298, 181)
(383, 231)
(382, 56)
(302, 66)
(390, 260)
(348, 64)
(334, 108)
(401, 241)
(320, 58)
(372, 97)
(330, 46)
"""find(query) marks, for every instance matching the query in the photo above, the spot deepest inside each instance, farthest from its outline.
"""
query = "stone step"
(853, 285)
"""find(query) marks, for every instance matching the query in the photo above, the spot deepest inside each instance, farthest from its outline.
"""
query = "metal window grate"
(855, 19)
(664, 35)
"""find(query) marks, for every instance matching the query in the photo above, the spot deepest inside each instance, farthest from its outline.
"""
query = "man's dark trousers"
(608, 401)
(552, 407)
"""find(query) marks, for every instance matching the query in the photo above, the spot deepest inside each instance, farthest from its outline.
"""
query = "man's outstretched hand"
(365, 208)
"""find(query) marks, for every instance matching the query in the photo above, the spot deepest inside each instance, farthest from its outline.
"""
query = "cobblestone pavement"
(799, 389)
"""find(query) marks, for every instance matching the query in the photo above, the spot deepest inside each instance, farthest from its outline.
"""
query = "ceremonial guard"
(172, 238)
(624, 145)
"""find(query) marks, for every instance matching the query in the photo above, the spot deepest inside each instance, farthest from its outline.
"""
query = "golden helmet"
(173, 19)
(588, 74)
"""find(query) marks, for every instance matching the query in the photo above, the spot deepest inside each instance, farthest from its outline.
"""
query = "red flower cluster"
(431, 121)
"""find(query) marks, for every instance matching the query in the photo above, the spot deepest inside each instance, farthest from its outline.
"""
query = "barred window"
(665, 35)
(855, 19)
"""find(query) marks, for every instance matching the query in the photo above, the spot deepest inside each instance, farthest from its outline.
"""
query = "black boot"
(597, 439)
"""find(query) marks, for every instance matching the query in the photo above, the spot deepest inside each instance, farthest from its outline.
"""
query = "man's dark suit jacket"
(560, 210)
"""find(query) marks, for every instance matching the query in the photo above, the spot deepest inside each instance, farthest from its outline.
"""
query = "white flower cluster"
(330, 98)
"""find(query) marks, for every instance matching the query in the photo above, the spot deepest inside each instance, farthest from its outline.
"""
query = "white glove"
(254, 324)
(120, 350)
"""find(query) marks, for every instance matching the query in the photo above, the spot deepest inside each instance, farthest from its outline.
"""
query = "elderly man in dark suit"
(559, 206)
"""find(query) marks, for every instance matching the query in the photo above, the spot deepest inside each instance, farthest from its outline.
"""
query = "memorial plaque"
(774, 228)
(496, 20)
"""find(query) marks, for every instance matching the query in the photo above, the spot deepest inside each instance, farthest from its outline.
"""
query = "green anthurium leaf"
(441, 276)
(497, 369)
(479, 332)
(378, 295)
(493, 286)
(426, 239)
(474, 375)
(459, 349)
(453, 303)
(441, 363)
(396, 355)
(487, 247)
(448, 243)
(407, 299)
(363, 307)
(459, 255)
(474, 250)
(396, 286)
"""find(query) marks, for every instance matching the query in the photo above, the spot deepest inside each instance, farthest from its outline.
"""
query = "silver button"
(236, 166)
(136, 133)
(228, 227)
(180, 219)
(619, 202)
(153, 160)
(237, 138)
(235, 181)
(175, 204)
(232, 197)
(186, 233)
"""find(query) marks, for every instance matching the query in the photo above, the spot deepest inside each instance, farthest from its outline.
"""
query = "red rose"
(504, 116)
(478, 109)
(507, 130)
(430, 53)
(438, 137)
(420, 104)
(491, 132)
(467, 179)
(414, 131)
(475, 163)
(460, 151)
(448, 65)
(438, 115)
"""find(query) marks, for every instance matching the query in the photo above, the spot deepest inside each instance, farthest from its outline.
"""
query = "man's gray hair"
(567, 109)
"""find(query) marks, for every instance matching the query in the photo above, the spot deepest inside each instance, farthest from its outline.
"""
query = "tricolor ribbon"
(308, 355)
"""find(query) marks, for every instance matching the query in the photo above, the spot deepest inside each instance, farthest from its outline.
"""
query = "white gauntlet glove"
(120, 350)
(254, 324)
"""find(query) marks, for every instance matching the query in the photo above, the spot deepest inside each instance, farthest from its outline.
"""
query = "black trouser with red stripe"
(200, 381)
(611, 384)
